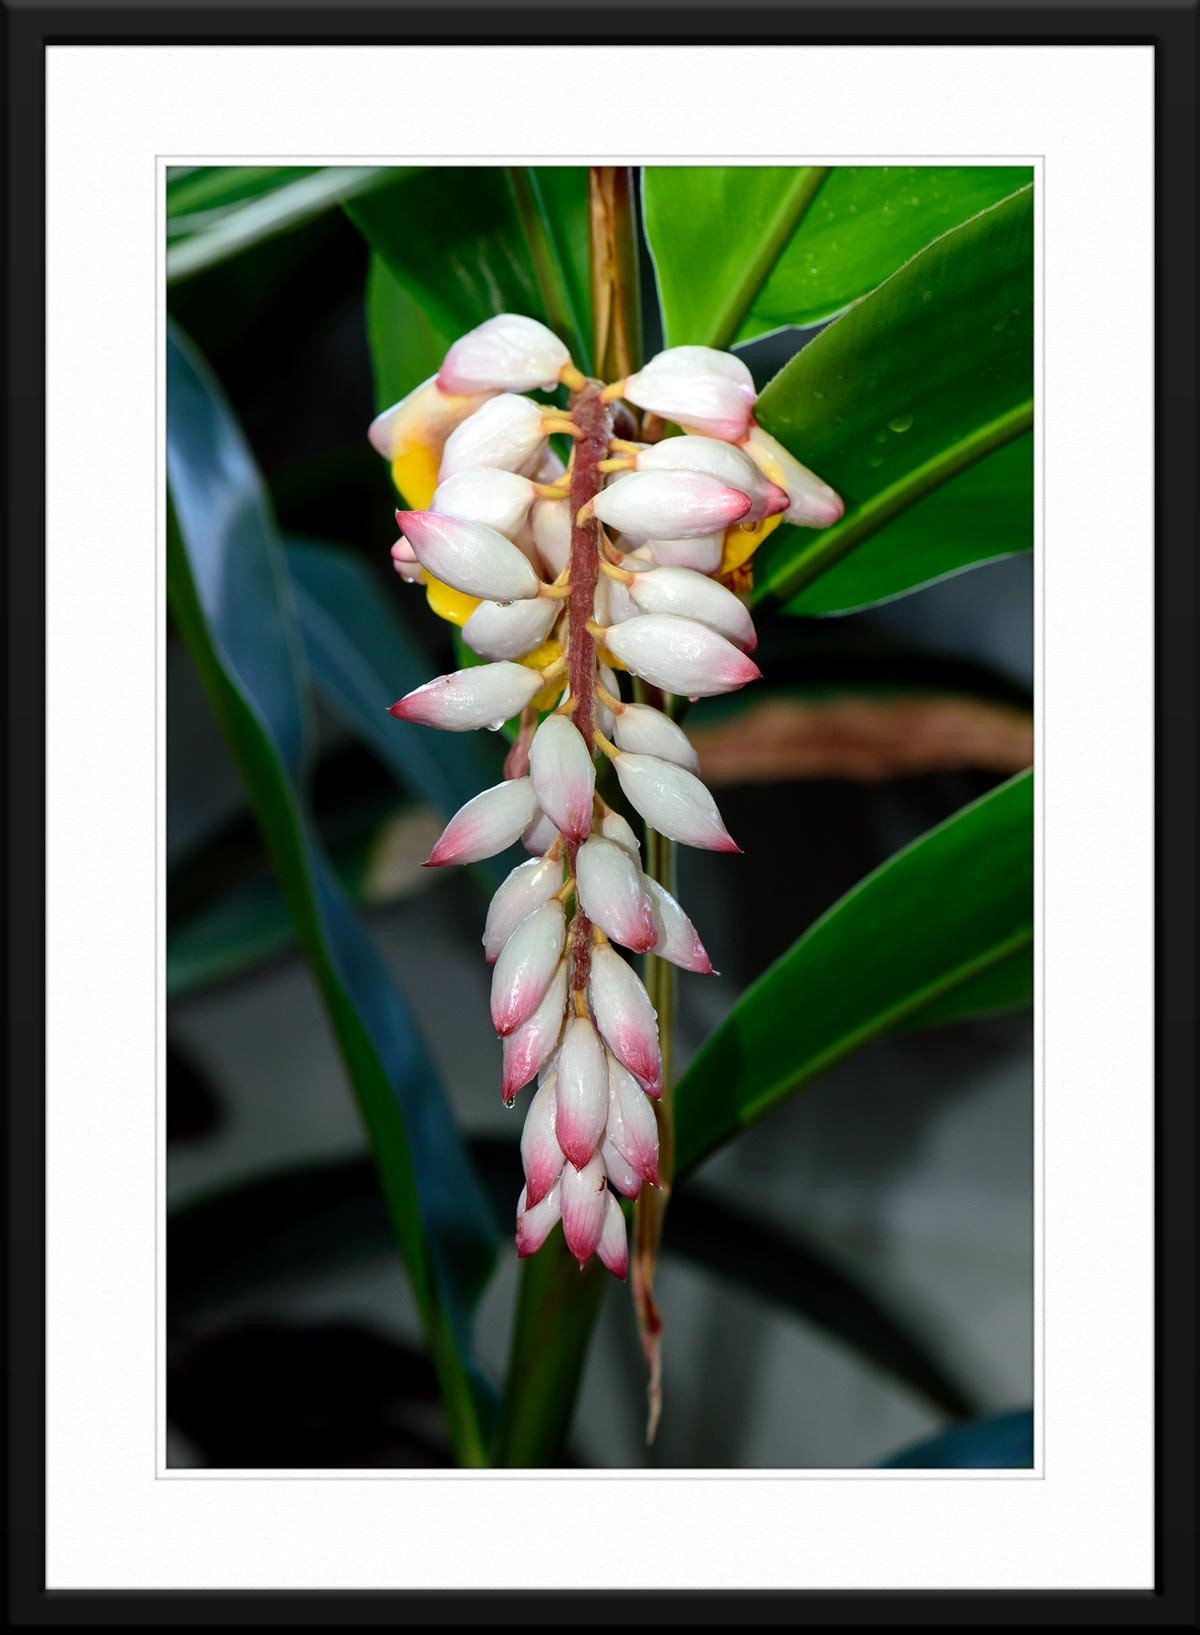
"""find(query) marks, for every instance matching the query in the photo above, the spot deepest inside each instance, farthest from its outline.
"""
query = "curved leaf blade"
(999, 1442)
(929, 374)
(231, 598)
(921, 929)
(795, 262)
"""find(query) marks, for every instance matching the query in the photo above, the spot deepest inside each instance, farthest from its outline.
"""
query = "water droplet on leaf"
(902, 422)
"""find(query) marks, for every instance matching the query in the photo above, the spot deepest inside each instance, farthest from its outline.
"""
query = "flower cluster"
(561, 576)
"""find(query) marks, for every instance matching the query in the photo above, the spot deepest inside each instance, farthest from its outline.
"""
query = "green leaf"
(454, 238)
(1000, 1442)
(922, 379)
(362, 659)
(407, 346)
(978, 516)
(920, 930)
(785, 246)
(223, 212)
(232, 602)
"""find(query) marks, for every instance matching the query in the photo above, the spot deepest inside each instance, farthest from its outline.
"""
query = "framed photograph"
(603, 885)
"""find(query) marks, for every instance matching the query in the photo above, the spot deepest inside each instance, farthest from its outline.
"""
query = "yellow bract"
(453, 605)
(415, 474)
(741, 543)
(540, 659)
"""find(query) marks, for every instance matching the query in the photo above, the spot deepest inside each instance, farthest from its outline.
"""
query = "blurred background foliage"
(850, 1277)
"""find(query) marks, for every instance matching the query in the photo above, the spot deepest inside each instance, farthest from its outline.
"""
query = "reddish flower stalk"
(594, 419)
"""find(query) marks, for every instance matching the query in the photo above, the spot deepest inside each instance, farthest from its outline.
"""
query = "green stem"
(794, 202)
(832, 544)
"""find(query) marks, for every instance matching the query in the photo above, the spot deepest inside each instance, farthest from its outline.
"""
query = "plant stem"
(616, 293)
(793, 205)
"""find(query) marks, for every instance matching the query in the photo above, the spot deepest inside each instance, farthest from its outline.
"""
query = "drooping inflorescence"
(628, 557)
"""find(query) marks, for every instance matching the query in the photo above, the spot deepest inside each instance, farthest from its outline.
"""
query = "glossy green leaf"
(999, 1442)
(463, 244)
(923, 378)
(984, 513)
(788, 245)
(407, 346)
(362, 659)
(920, 930)
(232, 601)
(213, 217)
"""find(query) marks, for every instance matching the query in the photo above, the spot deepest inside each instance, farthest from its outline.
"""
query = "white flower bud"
(506, 431)
(564, 775)
(530, 1049)
(536, 1222)
(609, 884)
(677, 938)
(469, 557)
(508, 353)
(405, 563)
(647, 731)
(486, 824)
(614, 827)
(426, 417)
(626, 1018)
(584, 1195)
(525, 966)
(673, 801)
(550, 524)
(582, 1091)
(703, 554)
(485, 696)
(540, 1154)
(541, 833)
(622, 1176)
(497, 499)
(811, 502)
(721, 460)
(680, 655)
(613, 1248)
(526, 888)
(690, 595)
(632, 1127)
(670, 504)
(499, 630)
(699, 388)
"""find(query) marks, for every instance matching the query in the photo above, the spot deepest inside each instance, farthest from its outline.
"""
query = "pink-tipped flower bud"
(609, 884)
(507, 353)
(622, 1176)
(550, 525)
(614, 827)
(469, 557)
(531, 1047)
(526, 888)
(626, 1018)
(582, 1091)
(405, 563)
(699, 388)
(680, 655)
(525, 966)
(690, 595)
(644, 730)
(540, 1153)
(632, 1127)
(541, 833)
(425, 418)
(506, 431)
(499, 631)
(536, 1222)
(673, 801)
(564, 775)
(677, 937)
(613, 1248)
(584, 1194)
(703, 554)
(484, 696)
(486, 824)
(670, 504)
(721, 460)
(494, 498)
(811, 502)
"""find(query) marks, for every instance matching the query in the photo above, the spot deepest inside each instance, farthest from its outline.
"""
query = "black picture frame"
(1171, 30)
